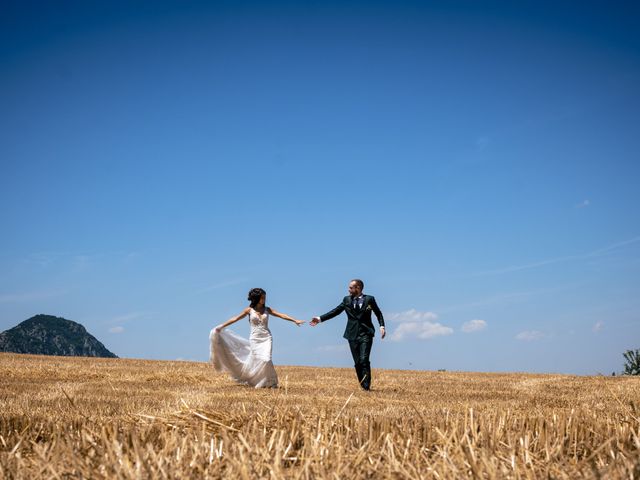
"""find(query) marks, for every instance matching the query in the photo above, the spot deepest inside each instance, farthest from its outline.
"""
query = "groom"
(359, 331)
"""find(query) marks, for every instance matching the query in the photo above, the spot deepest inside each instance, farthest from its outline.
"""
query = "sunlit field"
(66, 417)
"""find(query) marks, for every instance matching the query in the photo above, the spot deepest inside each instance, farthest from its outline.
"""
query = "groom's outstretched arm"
(333, 313)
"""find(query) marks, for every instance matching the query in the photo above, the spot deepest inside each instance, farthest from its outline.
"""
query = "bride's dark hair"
(255, 294)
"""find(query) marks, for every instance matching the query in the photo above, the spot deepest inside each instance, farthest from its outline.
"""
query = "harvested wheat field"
(115, 418)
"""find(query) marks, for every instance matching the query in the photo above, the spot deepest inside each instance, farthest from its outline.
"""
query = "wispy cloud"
(598, 327)
(119, 320)
(417, 324)
(131, 256)
(529, 335)
(217, 286)
(83, 262)
(482, 143)
(43, 259)
(613, 246)
(77, 262)
(499, 299)
(129, 317)
(595, 253)
(29, 296)
(583, 204)
(474, 326)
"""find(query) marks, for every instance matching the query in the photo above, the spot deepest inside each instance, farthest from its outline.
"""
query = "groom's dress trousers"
(359, 331)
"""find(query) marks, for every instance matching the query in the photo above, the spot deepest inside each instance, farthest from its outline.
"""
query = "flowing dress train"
(247, 361)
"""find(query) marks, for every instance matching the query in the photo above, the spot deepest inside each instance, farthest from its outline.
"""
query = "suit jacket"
(358, 319)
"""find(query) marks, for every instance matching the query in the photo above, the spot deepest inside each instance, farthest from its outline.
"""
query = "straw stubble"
(117, 418)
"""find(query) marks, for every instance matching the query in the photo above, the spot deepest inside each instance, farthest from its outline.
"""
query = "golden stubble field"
(67, 417)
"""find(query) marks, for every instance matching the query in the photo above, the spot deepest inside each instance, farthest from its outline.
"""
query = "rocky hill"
(49, 335)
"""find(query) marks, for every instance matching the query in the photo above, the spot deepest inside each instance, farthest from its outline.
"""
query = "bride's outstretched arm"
(284, 316)
(242, 314)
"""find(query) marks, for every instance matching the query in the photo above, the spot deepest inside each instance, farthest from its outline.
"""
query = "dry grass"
(116, 418)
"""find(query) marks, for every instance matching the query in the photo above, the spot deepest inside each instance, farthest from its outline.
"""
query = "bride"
(248, 362)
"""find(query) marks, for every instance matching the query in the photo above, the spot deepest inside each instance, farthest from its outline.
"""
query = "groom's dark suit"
(359, 331)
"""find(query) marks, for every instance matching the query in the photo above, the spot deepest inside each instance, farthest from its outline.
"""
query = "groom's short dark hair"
(359, 282)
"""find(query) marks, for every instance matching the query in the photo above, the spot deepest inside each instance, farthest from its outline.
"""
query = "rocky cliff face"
(49, 335)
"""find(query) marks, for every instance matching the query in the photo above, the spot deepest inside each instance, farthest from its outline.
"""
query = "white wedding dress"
(248, 362)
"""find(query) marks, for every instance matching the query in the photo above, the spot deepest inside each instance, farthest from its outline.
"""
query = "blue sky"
(476, 163)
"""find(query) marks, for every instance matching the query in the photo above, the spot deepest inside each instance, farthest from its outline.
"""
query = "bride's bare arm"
(284, 316)
(242, 314)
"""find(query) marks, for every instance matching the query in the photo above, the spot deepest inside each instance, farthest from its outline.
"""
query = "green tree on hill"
(632, 363)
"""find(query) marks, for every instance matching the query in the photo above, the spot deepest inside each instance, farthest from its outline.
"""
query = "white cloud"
(529, 335)
(412, 315)
(474, 326)
(424, 330)
(583, 204)
(598, 326)
(116, 329)
(416, 324)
